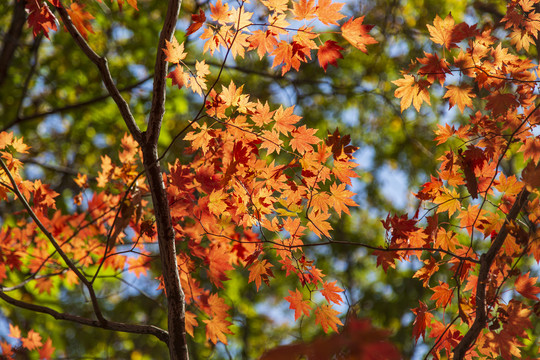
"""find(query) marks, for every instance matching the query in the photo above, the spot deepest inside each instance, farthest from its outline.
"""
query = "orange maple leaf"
(81, 19)
(220, 13)
(285, 120)
(190, 322)
(411, 91)
(279, 6)
(326, 317)
(445, 32)
(525, 286)
(460, 96)
(442, 294)
(328, 12)
(47, 350)
(341, 198)
(357, 34)
(298, 304)
(303, 139)
(14, 331)
(263, 41)
(331, 292)
(32, 341)
(216, 328)
(318, 223)
(328, 53)
(304, 10)
(174, 51)
(259, 271)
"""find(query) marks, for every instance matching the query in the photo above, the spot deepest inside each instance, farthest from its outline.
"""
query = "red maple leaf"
(423, 319)
(40, 18)
(328, 53)
(198, 21)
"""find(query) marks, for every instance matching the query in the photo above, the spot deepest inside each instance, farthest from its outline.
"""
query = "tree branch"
(486, 260)
(73, 106)
(108, 325)
(160, 72)
(103, 67)
(11, 39)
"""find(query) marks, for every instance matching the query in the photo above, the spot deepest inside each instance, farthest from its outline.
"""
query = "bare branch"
(103, 67)
(107, 325)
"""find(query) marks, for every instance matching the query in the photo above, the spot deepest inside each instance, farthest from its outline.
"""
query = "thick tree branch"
(486, 260)
(107, 325)
(178, 349)
(103, 67)
(11, 39)
(160, 72)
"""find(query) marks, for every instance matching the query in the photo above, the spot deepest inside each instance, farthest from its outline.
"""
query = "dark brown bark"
(486, 260)
(12, 38)
(175, 295)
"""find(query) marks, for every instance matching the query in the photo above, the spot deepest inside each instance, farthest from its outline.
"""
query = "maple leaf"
(357, 34)
(531, 149)
(198, 21)
(220, 13)
(216, 328)
(423, 319)
(304, 9)
(411, 92)
(341, 198)
(32, 341)
(47, 350)
(318, 223)
(328, 12)
(525, 286)
(40, 18)
(260, 270)
(444, 32)
(298, 304)
(442, 294)
(330, 292)
(174, 51)
(386, 258)
(326, 317)
(279, 6)
(303, 139)
(190, 322)
(434, 68)
(285, 120)
(14, 331)
(263, 41)
(460, 96)
(448, 201)
(328, 53)
(283, 55)
(81, 19)
(218, 264)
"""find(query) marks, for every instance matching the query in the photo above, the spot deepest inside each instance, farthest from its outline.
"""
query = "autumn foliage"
(254, 186)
